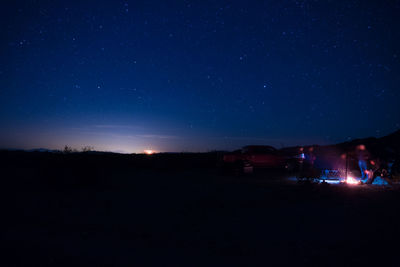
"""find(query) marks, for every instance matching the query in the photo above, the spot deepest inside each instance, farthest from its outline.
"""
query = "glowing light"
(352, 180)
(332, 181)
(149, 151)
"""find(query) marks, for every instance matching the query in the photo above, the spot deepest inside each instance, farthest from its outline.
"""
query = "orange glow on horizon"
(149, 151)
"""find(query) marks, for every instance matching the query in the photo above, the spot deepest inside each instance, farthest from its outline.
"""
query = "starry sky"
(126, 76)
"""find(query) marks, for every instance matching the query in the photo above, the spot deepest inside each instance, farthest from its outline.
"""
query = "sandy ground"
(197, 218)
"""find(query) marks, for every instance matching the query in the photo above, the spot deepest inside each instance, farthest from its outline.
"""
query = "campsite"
(104, 209)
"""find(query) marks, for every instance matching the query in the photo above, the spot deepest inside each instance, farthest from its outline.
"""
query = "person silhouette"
(363, 156)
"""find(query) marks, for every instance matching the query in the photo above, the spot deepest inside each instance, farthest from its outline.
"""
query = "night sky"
(178, 76)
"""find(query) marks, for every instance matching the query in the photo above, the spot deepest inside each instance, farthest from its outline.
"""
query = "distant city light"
(149, 151)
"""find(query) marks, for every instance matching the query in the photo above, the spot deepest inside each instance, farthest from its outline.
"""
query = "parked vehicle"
(257, 156)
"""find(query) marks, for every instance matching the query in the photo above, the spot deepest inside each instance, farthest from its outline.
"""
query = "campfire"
(351, 180)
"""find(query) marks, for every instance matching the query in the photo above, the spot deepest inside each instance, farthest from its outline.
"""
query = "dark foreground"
(105, 210)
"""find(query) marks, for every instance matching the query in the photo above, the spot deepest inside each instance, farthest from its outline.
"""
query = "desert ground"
(179, 210)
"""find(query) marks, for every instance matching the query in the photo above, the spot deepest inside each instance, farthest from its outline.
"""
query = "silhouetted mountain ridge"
(389, 144)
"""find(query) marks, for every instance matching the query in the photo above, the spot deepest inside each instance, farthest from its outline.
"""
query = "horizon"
(128, 77)
(146, 151)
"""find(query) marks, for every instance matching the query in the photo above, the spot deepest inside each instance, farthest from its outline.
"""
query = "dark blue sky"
(197, 75)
